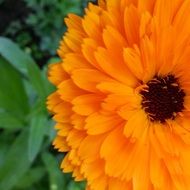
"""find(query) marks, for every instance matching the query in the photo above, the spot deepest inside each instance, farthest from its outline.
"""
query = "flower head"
(122, 103)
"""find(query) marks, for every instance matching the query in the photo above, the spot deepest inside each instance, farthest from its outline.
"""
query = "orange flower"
(122, 104)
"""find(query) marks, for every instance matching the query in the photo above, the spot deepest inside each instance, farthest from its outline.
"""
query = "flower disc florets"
(163, 98)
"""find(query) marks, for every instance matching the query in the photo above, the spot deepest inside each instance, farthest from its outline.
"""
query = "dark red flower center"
(163, 98)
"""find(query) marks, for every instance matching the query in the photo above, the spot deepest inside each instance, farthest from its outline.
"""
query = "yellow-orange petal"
(89, 149)
(63, 129)
(132, 106)
(158, 172)
(74, 22)
(73, 61)
(88, 79)
(114, 87)
(78, 121)
(75, 137)
(53, 100)
(136, 125)
(122, 184)
(66, 165)
(133, 61)
(164, 9)
(56, 73)
(60, 144)
(148, 54)
(73, 39)
(146, 5)
(89, 47)
(93, 170)
(113, 69)
(92, 25)
(111, 147)
(114, 41)
(87, 104)
(68, 90)
(165, 139)
(141, 177)
(98, 123)
(132, 20)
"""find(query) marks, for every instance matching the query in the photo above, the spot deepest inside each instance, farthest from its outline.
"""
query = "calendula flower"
(122, 104)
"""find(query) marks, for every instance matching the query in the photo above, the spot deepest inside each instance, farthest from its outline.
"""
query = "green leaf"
(51, 132)
(16, 163)
(76, 185)
(9, 121)
(57, 181)
(12, 53)
(24, 63)
(3, 150)
(37, 132)
(32, 176)
(36, 80)
(13, 97)
(49, 87)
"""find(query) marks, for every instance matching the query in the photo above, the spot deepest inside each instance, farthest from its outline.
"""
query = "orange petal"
(133, 61)
(114, 183)
(56, 74)
(111, 147)
(115, 88)
(164, 9)
(53, 100)
(145, 24)
(131, 106)
(93, 170)
(68, 90)
(74, 22)
(66, 165)
(136, 125)
(63, 109)
(110, 66)
(63, 129)
(100, 183)
(92, 25)
(176, 172)
(146, 5)
(78, 121)
(132, 23)
(86, 104)
(88, 79)
(141, 178)
(114, 41)
(98, 123)
(63, 49)
(60, 144)
(148, 55)
(162, 133)
(73, 61)
(75, 137)
(182, 20)
(89, 149)
(73, 40)
(158, 172)
(89, 47)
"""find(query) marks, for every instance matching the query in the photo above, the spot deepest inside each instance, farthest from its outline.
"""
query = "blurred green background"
(30, 31)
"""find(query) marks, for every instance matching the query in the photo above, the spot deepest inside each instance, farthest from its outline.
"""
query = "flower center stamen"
(163, 98)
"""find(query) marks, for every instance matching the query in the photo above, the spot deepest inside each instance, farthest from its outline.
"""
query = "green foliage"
(27, 159)
(46, 19)
(26, 130)
(41, 25)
